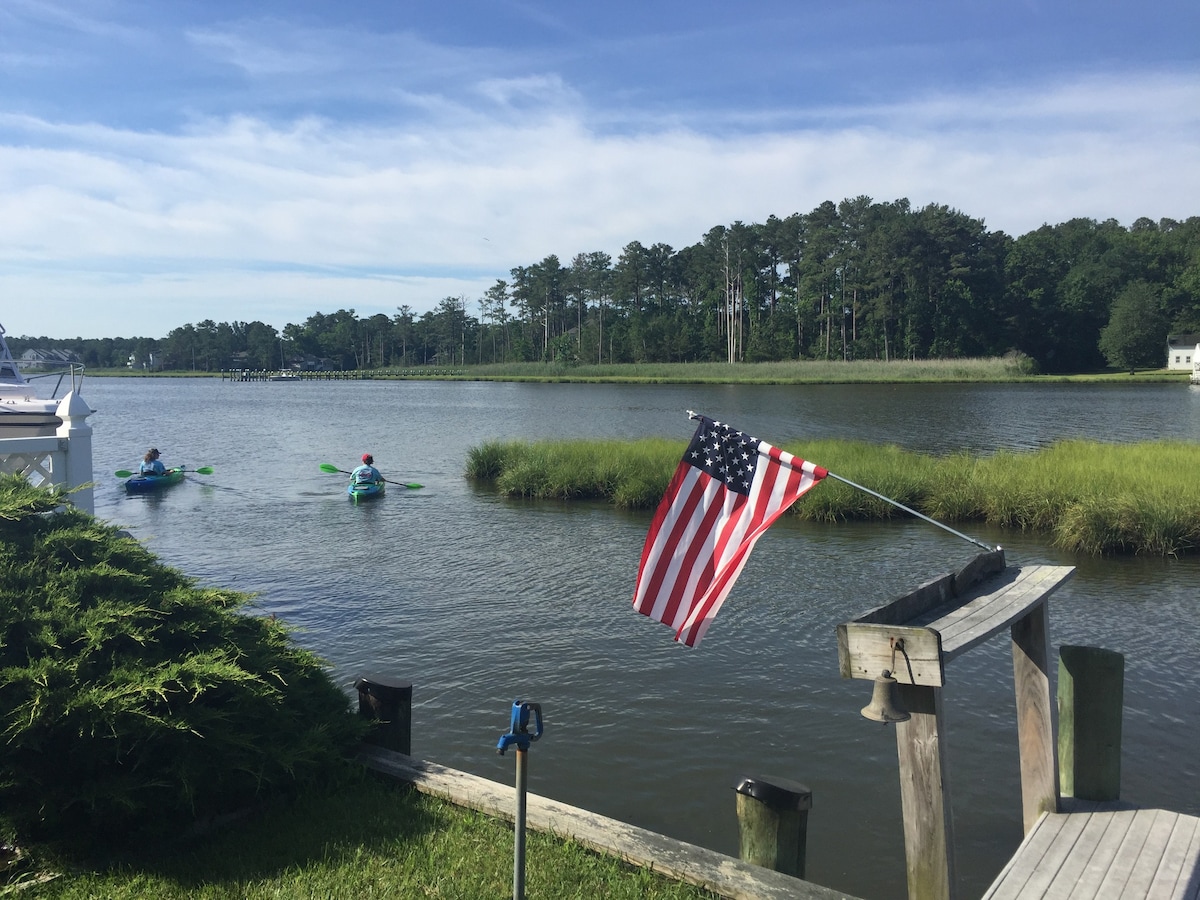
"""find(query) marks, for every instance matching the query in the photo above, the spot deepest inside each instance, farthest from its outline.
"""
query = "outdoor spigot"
(518, 729)
(519, 735)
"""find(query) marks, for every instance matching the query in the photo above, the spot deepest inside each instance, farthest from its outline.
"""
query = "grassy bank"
(369, 839)
(1089, 497)
(899, 371)
(788, 372)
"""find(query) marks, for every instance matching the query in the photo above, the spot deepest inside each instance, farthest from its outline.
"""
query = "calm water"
(480, 600)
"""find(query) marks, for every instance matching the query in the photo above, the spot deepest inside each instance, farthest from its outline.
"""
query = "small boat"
(143, 484)
(365, 490)
(24, 412)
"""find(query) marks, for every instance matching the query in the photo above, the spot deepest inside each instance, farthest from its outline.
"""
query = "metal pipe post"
(520, 737)
(519, 827)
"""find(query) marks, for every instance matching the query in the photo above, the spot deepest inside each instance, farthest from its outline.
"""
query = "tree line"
(854, 280)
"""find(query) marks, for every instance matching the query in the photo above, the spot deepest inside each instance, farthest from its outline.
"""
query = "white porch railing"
(63, 460)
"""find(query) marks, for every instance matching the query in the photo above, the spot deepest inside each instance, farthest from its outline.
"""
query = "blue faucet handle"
(519, 726)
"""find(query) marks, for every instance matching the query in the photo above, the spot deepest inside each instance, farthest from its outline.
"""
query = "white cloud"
(254, 220)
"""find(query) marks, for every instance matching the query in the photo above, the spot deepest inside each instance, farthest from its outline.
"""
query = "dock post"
(773, 823)
(1091, 688)
(925, 795)
(1035, 714)
(387, 702)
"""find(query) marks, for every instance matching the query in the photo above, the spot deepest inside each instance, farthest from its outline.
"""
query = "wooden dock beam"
(925, 795)
(915, 637)
(1035, 722)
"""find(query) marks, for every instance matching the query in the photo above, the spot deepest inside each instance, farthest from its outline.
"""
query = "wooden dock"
(1101, 851)
(913, 639)
(1073, 849)
(1091, 851)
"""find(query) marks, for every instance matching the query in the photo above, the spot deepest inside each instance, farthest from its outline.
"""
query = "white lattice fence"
(38, 459)
(63, 460)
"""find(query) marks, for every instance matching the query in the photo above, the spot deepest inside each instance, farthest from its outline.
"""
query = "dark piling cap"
(372, 684)
(776, 793)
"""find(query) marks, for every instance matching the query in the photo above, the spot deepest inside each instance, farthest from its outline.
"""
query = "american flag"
(727, 490)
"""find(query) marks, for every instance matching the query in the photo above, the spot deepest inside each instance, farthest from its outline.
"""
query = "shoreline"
(806, 372)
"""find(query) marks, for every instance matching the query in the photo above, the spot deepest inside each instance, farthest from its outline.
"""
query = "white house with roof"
(37, 358)
(1181, 351)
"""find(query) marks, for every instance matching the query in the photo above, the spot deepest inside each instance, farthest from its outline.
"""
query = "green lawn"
(370, 839)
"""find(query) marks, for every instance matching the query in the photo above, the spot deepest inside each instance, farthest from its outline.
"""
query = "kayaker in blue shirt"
(366, 473)
(151, 464)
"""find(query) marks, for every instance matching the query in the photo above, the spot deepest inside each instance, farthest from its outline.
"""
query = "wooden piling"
(925, 795)
(773, 823)
(1091, 687)
(1035, 717)
(388, 703)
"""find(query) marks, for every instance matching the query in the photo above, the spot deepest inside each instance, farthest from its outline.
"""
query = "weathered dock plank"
(1097, 853)
(723, 875)
(943, 619)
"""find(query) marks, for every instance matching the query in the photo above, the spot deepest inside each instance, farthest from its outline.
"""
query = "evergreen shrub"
(133, 698)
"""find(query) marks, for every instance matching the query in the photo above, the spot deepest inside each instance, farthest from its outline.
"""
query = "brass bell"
(885, 705)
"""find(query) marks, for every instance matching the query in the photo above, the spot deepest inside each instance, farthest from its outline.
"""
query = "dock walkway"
(1103, 851)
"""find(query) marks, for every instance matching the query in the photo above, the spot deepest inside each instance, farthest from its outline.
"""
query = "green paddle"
(326, 467)
(203, 470)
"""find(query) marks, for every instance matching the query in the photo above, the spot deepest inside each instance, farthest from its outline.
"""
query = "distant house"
(53, 359)
(1181, 348)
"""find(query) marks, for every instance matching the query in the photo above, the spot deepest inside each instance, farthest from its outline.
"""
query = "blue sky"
(167, 161)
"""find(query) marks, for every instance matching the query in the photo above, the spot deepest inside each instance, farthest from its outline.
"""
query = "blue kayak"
(365, 490)
(141, 484)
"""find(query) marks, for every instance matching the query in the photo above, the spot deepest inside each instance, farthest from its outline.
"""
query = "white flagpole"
(913, 512)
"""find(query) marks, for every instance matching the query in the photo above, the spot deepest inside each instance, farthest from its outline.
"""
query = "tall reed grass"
(1089, 497)
(1014, 368)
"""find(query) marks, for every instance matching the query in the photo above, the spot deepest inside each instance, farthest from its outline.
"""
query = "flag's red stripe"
(735, 507)
(677, 526)
(770, 499)
(699, 526)
(702, 534)
(652, 553)
(751, 525)
(695, 572)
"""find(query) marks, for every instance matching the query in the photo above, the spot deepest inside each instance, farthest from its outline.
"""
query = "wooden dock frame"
(915, 637)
